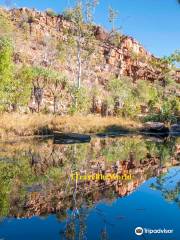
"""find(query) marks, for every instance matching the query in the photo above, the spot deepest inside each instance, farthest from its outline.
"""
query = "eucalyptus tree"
(79, 38)
(90, 6)
(79, 48)
(77, 17)
(112, 17)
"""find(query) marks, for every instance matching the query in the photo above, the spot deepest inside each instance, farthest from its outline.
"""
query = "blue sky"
(154, 23)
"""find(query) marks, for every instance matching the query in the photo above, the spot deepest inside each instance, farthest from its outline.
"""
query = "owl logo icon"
(139, 231)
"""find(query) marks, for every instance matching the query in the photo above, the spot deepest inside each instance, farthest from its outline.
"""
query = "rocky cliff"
(37, 36)
(128, 57)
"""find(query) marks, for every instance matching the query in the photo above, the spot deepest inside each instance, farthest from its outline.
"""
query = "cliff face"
(128, 58)
(37, 41)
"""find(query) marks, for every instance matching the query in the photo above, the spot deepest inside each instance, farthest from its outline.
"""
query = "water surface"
(39, 200)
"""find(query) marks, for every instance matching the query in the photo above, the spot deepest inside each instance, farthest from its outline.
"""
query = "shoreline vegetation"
(81, 79)
(27, 125)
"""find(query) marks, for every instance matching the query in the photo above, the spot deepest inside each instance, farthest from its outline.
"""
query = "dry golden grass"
(36, 124)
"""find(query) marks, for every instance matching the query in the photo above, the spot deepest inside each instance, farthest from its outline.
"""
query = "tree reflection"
(169, 186)
(24, 166)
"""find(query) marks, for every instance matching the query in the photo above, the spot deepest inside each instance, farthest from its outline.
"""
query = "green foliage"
(125, 149)
(120, 87)
(39, 76)
(122, 91)
(55, 79)
(57, 84)
(21, 87)
(128, 98)
(55, 174)
(146, 92)
(80, 100)
(174, 57)
(6, 70)
(6, 63)
(115, 39)
(168, 111)
(160, 118)
(10, 172)
(131, 107)
(75, 14)
(38, 71)
(15, 82)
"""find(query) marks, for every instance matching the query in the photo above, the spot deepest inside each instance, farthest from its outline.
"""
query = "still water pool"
(39, 200)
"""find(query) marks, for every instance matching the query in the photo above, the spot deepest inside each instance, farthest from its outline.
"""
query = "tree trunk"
(79, 63)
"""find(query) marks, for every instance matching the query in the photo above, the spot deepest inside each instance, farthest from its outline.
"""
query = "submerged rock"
(70, 138)
(175, 129)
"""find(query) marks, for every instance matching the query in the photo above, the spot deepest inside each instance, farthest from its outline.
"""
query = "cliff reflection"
(35, 175)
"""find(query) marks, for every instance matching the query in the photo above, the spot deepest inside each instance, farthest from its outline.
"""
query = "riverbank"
(22, 125)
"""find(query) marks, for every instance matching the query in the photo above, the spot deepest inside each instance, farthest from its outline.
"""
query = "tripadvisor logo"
(139, 231)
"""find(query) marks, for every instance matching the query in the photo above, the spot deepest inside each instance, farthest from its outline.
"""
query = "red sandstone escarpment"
(37, 40)
(127, 58)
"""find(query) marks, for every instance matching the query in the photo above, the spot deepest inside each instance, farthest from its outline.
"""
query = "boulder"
(155, 127)
(101, 34)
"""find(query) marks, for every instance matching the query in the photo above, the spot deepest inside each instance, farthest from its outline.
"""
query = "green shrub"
(169, 108)
(123, 90)
(80, 100)
(6, 71)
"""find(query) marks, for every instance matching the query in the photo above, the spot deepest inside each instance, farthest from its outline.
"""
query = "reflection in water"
(169, 185)
(35, 179)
